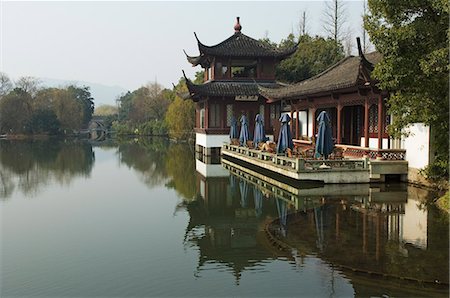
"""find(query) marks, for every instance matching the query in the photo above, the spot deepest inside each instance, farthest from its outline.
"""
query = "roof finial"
(237, 27)
(358, 43)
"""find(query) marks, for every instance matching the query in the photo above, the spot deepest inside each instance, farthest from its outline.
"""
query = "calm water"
(137, 218)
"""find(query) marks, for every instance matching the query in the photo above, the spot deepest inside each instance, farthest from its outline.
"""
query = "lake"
(146, 218)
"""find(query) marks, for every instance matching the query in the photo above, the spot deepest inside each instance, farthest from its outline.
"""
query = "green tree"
(313, 55)
(44, 121)
(69, 111)
(413, 37)
(124, 102)
(180, 116)
(199, 77)
(15, 111)
(83, 96)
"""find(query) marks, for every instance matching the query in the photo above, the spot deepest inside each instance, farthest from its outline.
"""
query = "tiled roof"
(242, 45)
(239, 45)
(343, 74)
(227, 88)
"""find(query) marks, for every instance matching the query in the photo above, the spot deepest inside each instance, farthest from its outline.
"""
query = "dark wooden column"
(339, 124)
(223, 114)
(366, 123)
(380, 122)
(206, 114)
(296, 125)
(364, 230)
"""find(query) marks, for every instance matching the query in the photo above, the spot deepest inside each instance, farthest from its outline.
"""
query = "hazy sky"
(131, 43)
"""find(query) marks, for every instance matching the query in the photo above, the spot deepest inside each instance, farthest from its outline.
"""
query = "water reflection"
(226, 224)
(29, 165)
(331, 240)
(160, 163)
(147, 157)
(379, 231)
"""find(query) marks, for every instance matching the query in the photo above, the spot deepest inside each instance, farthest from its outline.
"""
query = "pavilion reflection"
(374, 229)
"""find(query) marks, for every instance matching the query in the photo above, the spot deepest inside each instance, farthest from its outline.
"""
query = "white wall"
(211, 170)
(414, 223)
(211, 141)
(417, 145)
(303, 125)
(311, 119)
(302, 116)
(373, 143)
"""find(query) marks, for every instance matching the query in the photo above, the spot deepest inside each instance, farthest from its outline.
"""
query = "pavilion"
(234, 70)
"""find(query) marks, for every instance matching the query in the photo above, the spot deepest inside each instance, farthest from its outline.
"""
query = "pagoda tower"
(233, 70)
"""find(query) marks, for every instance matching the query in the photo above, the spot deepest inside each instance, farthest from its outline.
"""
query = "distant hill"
(102, 94)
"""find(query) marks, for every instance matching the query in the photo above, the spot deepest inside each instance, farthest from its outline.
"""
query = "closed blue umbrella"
(318, 216)
(259, 135)
(282, 213)
(258, 195)
(233, 128)
(233, 185)
(243, 187)
(324, 142)
(244, 136)
(284, 137)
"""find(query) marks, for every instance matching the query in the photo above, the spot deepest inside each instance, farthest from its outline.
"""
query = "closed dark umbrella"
(284, 137)
(324, 142)
(259, 135)
(258, 195)
(243, 187)
(233, 128)
(282, 213)
(244, 136)
(318, 216)
(233, 185)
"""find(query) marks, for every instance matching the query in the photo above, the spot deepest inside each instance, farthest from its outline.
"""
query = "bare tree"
(334, 19)
(366, 44)
(302, 29)
(156, 102)
(347, 41)
(5, 84)
(28, 84)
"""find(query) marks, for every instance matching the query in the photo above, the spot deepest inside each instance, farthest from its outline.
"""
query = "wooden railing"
(384, 154)
(299, 164)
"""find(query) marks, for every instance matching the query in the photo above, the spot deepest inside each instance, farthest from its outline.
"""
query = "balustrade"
(299, 164)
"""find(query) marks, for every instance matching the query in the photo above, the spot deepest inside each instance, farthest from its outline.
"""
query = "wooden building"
(347, 91)
(233, 69)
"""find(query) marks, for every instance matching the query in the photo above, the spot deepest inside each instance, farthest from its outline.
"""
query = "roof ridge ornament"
(361, 55)
(237, 26)
(358, 43)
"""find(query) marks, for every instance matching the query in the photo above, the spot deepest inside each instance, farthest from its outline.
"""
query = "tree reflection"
(160, 162)
(147, 157)
(28, 165)
(180, 166)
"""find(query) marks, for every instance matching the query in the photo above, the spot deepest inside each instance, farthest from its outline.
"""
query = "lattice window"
(261, 111)
(214, 115)
(229, 114)
(373, 119)
(358, 121)
(202, 117)
(386, 123)
(273, 115)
